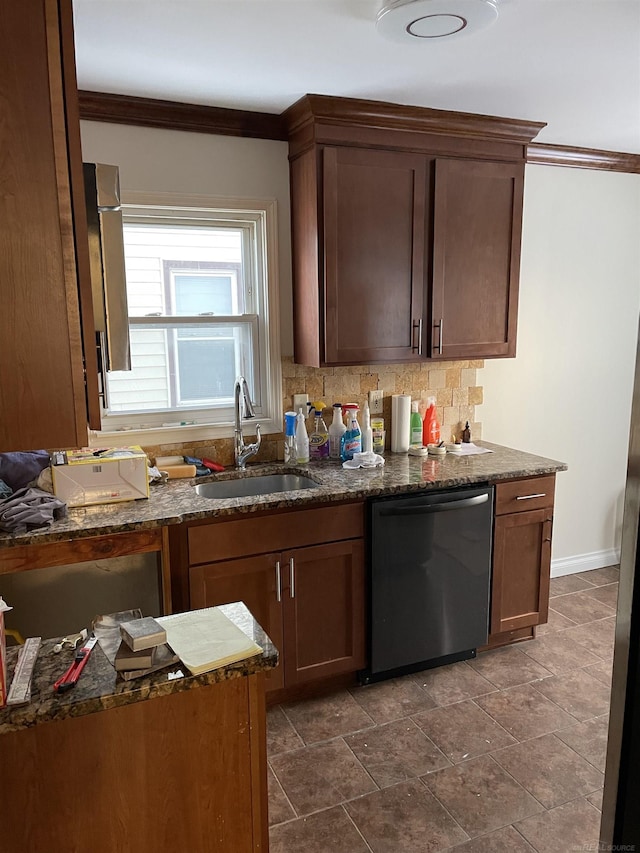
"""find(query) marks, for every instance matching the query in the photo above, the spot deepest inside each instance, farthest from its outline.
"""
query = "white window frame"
(264, 318)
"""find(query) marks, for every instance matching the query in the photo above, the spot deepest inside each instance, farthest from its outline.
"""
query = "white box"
(88, 477)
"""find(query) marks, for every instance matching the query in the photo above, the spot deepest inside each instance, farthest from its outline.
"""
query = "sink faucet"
(243, 451)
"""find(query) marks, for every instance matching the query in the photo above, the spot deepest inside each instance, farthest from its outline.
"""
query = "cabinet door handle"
(417, 324)
(278, 582)
(440, 326)
(292, 578)
(530, 497)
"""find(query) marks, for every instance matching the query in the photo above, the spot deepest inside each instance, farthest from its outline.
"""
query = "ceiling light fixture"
(425, 20)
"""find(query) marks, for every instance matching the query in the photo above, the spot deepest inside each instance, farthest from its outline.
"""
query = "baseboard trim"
(584, 562)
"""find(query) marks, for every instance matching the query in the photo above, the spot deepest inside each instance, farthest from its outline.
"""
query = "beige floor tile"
(317, 777)
(559, 652)
(463, 730)
(607, 594)
(555, 622)
(572, 826)
(453, 683)
(581, 607)
(598, 638)
(392, 700)
(567, 584)
(328, 831)
(524, 712)
(589, 740)
(327, 717)
(599, 577)
(578, 693)
(550, 770)
(481, 796)
(396, 751)
(281, 736)
(405, 818)
(508, 667)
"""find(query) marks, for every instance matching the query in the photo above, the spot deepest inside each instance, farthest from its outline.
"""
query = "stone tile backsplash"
(453, 384)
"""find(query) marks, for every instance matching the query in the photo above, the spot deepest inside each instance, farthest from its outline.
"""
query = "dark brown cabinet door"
(42, 387)
(323, 606)
(521, 568)
(375, 225)
(476, 258)
(253, 580)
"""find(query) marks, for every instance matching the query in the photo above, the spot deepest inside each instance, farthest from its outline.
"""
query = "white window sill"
(178, 434)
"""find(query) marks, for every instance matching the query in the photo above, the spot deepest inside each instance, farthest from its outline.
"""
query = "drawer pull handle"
(530, 497)
(292, 578)
(278, 582)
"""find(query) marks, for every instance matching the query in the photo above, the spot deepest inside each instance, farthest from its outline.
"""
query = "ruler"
(20, 690)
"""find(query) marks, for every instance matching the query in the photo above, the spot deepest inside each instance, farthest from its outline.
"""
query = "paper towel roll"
(400, 422)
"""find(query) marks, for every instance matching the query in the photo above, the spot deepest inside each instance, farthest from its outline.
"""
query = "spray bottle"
(319, 438)
(302, 439)
(290, 438)
(352, 439)
(336, 431)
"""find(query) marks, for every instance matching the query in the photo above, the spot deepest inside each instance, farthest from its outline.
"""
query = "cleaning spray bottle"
(319, 438)
(290, 438)
(302, 439)
(352, 439)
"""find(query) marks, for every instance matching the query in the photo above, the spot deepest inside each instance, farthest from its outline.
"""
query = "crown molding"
(173, 115)
(582, 158)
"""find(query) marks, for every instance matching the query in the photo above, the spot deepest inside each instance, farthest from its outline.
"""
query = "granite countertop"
(100, 687)
(177, 501)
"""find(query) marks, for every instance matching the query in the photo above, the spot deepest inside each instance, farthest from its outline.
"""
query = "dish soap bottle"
(319, 438)
(431, 427)
(415, 424)
(290, 438)
(352, 439)
(336, 431)
(302, 439)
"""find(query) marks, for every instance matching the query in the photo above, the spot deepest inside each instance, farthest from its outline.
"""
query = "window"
(202, 307)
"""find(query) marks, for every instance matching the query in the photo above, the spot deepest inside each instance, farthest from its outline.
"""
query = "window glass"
(198, 295)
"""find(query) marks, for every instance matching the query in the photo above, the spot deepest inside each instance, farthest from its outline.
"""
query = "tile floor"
(502, 754)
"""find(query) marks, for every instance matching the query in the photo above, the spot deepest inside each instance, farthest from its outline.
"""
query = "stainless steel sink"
(245, 487)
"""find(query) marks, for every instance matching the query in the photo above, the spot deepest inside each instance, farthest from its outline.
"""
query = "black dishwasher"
(430, 576)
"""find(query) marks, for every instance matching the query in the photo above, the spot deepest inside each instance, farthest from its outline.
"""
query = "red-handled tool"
(71, 676)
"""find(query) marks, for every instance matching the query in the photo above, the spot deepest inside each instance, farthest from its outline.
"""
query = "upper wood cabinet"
(43, 245)
(406, 231)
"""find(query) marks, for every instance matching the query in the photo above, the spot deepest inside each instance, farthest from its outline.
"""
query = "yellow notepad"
(207, 639)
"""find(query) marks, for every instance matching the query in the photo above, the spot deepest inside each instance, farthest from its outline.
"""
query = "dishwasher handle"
(444, 506)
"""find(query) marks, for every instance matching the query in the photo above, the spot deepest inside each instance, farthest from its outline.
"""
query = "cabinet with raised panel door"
(302, 575)
(406, 228)
(521, 557)
(44, 253)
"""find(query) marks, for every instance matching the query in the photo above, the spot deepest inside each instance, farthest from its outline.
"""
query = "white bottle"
(367, 434)
(336, 431)
(302, 440)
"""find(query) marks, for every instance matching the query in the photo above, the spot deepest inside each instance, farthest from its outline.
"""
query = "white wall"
(173, 161)
(567, 394)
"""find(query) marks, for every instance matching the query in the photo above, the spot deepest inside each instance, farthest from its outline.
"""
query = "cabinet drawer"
(523, 495)
(260, 534)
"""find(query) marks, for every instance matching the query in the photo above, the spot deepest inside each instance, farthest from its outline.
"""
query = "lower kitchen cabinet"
(521, 557)
(310, 599)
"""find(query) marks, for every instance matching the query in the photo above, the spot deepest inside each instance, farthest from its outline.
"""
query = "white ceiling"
(572, 63)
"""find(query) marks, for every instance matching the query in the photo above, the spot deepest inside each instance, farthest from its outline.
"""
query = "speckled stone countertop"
(100, 687)
(177, 500)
